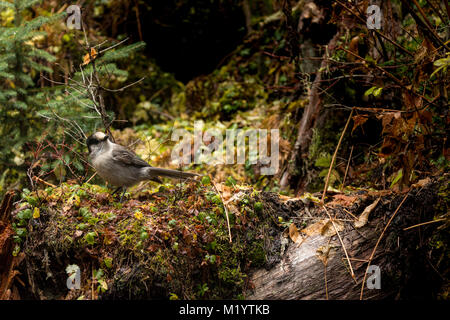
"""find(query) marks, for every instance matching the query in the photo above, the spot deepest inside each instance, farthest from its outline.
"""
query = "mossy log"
(174, 243)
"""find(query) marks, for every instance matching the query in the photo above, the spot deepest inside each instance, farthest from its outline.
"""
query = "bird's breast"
(113, 172)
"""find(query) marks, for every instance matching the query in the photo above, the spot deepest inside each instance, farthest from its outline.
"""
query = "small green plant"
(202, 289)
(90, 238)
(99, 276)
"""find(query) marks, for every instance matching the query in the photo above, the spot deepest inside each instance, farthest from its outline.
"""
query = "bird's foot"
(121, 197)
(115, 191)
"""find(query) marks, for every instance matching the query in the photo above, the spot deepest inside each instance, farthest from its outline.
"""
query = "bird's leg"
(115, 191)
(121, 197)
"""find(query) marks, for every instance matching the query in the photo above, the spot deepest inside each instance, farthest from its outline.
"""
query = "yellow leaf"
(76, 200)
(36, 213)
(103, 284)
(138, 215)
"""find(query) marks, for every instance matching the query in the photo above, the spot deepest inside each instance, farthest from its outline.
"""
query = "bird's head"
(96, 141)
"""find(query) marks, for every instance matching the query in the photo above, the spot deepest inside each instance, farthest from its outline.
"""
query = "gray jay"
(121, 167)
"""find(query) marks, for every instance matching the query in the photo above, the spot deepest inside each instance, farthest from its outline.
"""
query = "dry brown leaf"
(354, 48)
(233, 208)
(421, 183)
(224, 190)
(284, 198)
(323, 227)
(323, 253)
(88, 56)
(343, 200)
(364, 217)
(358, 120)
(315, 228)
(294, 234)
(329, 230)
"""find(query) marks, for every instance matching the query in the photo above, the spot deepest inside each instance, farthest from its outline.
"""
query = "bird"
(121, 167)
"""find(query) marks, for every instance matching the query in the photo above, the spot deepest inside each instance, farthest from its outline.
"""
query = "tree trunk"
(308, 120)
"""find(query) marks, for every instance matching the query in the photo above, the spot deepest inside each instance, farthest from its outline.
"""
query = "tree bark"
(402, 256)
(301, 274)
(308, 120)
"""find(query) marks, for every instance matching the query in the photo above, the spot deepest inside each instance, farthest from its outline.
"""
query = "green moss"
(170, 236)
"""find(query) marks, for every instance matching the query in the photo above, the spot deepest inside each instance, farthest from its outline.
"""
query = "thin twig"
(346, 169)
(359, 260)
(342, 243)
(113, 46)
(427, 24)
(390, 75)
(423, 223)
(224, 206)
(91, 177)
(43, 181)
(378, 242)
(325, 276)
(351, 214)
(123, 88)
(334, 157)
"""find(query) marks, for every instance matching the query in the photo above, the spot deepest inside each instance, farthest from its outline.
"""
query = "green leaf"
(230, 182)
(173, 296)
(206, 180)
(98, 274)
(21, 232)
(377, 92)
(442, 62)
(369, 91)
(144, 235)
(108, 262)
(25, 214)
(90, 238)
(125, 52)
(172, 223)
(323, 162)
(397, 177)
(82, 226)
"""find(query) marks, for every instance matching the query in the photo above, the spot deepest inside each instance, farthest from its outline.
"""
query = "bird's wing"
(127, 157)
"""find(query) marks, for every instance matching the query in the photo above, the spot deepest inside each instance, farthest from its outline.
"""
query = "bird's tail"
(175, 174)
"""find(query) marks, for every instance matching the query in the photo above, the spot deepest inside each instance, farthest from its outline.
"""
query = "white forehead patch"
(99, 135)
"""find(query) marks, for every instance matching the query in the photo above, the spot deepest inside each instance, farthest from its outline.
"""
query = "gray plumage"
(121, 167)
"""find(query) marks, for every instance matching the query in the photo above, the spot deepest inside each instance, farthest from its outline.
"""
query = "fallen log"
(317, 267)
(282, 248)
